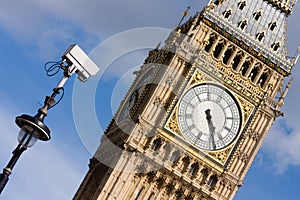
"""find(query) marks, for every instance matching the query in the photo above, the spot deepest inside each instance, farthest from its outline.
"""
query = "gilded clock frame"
(220, 157)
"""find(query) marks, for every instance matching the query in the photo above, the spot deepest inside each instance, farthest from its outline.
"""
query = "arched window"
(211, 41)
(260, 36)
(227, 55)
(193, 169)
(272, 26)
(204, 175)
(245, 67)
(212, 181)
(186, 161)
(227, 14)
(236, 61)
(175, 156)
(275, 46)
(241, 5)
(263, 79)
(218, 49)
(242, 24)
(254, 73)
(257, 15)
(156, 144)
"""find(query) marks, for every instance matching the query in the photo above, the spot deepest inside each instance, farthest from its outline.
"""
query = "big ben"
(199, 108)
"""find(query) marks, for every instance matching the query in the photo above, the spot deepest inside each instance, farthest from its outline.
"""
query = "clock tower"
(199, 108)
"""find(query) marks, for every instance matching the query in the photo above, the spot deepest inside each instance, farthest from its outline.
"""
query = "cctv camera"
(84, 66)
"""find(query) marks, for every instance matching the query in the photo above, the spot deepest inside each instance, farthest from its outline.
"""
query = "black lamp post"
(32, 129)
(74, 60)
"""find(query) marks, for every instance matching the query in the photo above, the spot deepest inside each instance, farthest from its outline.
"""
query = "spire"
(284, 93)
(185, 13)
(158, 45)
(284, 5)
(295, 58)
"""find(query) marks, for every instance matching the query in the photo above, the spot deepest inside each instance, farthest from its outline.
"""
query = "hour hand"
(210, 124)
(210, 127)
(208, 116)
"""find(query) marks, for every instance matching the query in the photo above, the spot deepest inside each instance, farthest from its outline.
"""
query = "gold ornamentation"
(197, 78)
(221, 156)
(232, 78)
(172, 124)
(218, 64)
(246, 108)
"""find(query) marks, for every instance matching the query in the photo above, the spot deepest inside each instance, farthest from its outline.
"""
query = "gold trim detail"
(246, 108)
(197, 78)
(221, 155)
(172, 123)
(232, 79)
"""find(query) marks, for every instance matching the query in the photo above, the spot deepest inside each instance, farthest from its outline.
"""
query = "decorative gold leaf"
(197, 78)
(246, 108)
(222, 155)
(172, 124)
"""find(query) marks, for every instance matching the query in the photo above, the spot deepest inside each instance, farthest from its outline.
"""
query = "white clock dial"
(135, 94)
(209, 117)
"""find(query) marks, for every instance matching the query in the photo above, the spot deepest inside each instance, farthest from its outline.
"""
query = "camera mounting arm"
(74, 60)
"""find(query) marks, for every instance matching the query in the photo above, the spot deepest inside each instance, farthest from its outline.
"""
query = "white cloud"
(20, 18)
(8, 129)
(48, 25)
(282, 145)
(109, 16)
(42, 28)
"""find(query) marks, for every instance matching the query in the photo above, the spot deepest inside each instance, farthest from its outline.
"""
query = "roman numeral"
(219, 99)
(188, 115)
(232, 118)
(191, 105)
(227, 129)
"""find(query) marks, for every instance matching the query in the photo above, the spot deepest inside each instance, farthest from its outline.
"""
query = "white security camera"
(84, 66)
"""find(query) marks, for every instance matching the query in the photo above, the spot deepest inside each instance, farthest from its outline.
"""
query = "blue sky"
(33, 32)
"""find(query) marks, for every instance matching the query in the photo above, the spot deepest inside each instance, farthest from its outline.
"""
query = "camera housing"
(84, 66)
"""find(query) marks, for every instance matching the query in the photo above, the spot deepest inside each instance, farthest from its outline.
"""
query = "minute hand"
(210, 127)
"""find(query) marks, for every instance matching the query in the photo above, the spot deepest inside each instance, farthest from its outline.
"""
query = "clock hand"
(210, 127)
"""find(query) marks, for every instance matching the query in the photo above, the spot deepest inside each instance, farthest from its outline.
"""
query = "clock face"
(209, 117)
(135, 94)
